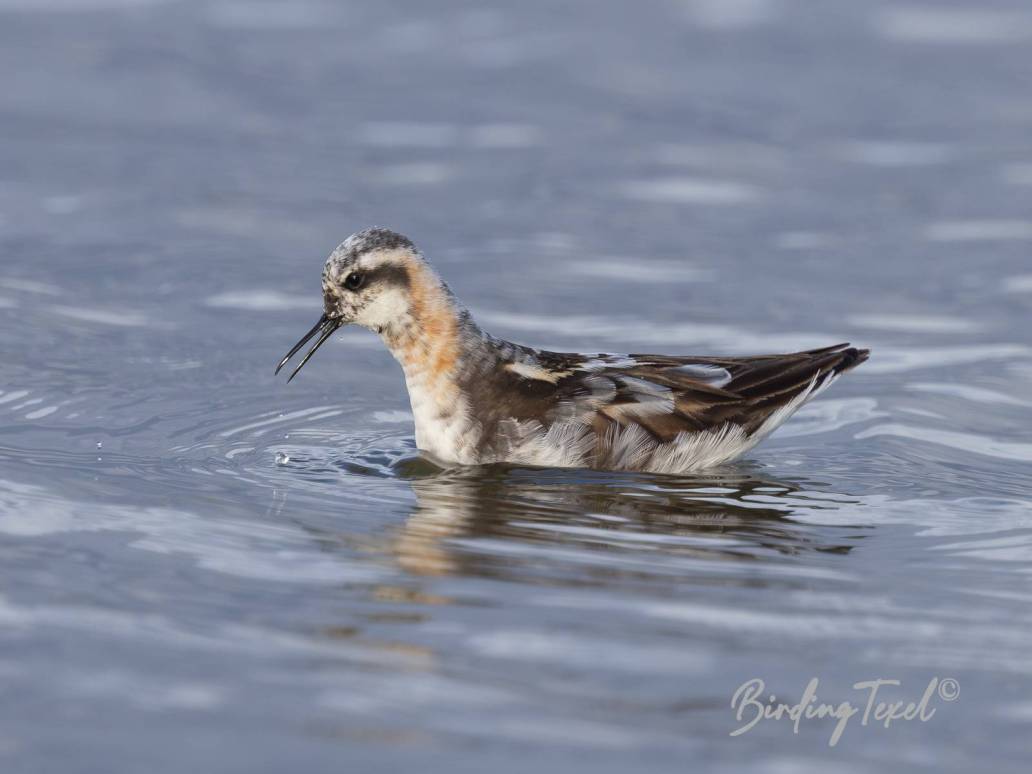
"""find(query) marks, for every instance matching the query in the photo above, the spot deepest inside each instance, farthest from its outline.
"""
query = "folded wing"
(669, 395)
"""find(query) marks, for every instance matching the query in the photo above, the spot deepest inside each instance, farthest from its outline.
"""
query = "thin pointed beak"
(326, 325)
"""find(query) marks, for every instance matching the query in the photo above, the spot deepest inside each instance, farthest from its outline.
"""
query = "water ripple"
(967, 442)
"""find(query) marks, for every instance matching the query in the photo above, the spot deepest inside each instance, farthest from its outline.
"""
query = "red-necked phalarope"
(478, 399)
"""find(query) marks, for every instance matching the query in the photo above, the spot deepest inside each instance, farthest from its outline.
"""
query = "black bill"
(326, 326)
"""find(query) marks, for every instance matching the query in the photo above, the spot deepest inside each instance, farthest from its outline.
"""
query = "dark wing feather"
(668, 395)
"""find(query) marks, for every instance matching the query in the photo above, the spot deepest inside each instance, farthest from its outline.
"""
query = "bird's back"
(657, 413)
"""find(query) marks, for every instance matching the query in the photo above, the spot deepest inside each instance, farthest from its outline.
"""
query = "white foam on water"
(278, 418)
(894, 154)
(29, 286)
(480, 22)
(829, 414)
(414, 134)
(123, 318)
(403, 690)
(268, 14)
(262, 300)
(690, 190)
(575, 652)
(59, 6)
(499, 51)
(588, 734)
(156, 630)
(417, 173)
(1011, 548)
(1019, 283)
(409, 35)
(142, 691)
(408, 134)
(928, 24)
(241, 548)
(730, 14)
(722, 155)
(637, 270)
(988, 230)
(816, 625)
(618, 537)
(181, 365)
(1018, 174)
(241, 221)
(919, 412)
(62, 205)
(1016, 712)
(934, 518)
(802, 240)
(10, 397)
(816, 612)
(887, 359)
(501, 136)
(43, 412)
(968, 392)
(913, 323)
(392, 417)
(967, 442)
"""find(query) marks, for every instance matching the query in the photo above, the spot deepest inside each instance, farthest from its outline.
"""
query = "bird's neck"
(436, 344)
(427, 339)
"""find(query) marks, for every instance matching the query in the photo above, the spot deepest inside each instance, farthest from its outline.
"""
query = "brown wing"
(668, 395)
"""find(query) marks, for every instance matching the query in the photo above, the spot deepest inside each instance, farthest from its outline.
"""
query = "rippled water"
(204, 569)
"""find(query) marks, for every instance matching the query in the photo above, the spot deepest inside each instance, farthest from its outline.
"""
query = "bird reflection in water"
(504, 522)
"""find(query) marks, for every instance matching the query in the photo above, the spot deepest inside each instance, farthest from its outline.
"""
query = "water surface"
(206, 569)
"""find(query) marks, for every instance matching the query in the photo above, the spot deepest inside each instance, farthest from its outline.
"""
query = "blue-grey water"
(203, 569)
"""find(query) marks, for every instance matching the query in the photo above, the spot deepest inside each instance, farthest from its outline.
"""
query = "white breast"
(443, 425)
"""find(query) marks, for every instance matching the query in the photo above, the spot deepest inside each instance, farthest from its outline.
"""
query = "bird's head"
(379, 280)
(367, 279)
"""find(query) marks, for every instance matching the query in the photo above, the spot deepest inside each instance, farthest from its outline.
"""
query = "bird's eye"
(354, 281)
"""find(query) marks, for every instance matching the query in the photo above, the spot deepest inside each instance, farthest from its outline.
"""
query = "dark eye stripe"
(386, 275)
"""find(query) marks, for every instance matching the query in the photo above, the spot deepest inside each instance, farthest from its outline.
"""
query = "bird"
(477, 399)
